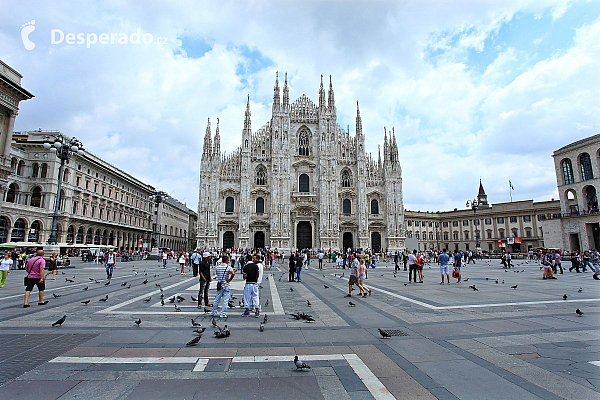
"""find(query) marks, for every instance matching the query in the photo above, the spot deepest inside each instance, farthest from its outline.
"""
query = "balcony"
(304, 196)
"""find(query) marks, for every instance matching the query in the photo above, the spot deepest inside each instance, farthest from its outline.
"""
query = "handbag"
(219, 283)
(456, 274)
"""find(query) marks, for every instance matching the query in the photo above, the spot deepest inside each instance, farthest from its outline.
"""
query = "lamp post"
(437, 239)
(474, 204)
(158, 197)
(64, 148)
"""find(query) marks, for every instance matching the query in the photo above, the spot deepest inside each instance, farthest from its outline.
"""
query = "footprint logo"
(26, 29)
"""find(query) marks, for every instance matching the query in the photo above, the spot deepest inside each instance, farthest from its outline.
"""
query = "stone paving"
(493, 343)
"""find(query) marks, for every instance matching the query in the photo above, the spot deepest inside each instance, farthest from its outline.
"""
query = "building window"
(489, 234)
(11, 194)
(416, 223)
(586, 167)
(500, 220)
(541, 217)
(417, 235)
(454, 223)
(44, 170)
(35, 169)
(445, 224)
(445, 235)
(409, 223)
(74, 210)
(567, 169)
(304, 143)
(228, 204)
(437, 224)
(77, 180)
(430, 236)
(466, 235)
(488, 221)
(465, 222)
(84, 210)
(410, 234)
(303, 183)
(528, 233)
(455, 235)
(87, 185)
(374, 207)
(20, 167)
(36, 197)
(501, 232)
(513, 219)
(261, 175)
(346, 178)
(260, 205)
(347, 207)
(515, 232)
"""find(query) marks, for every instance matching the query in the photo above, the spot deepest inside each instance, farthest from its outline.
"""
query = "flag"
(510, 184)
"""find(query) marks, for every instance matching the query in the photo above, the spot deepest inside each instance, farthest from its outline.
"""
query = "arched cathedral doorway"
(347, 241)
(259, 240)
(304, 235)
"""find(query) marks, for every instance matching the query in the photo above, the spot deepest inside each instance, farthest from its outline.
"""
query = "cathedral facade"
(300, 181)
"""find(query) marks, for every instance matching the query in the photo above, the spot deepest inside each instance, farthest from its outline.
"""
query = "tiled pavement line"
(371, 382)
(276, 300)
(523, 374)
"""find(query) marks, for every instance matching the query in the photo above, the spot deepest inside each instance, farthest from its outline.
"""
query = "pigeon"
(138, 322)
(148, 299)
(86, 288)
(194, 341)
(172, 299)
(496, 281)
(199, 331)
(124, 284)
(91, 279)
(194, 323)
(86, 302)
(405, 283)
(579, 312)
(64, 317)
(129, 286)
(195, 300)
(180, 299)
(230, 304)
(326, 287)
(309, 319)
(220, 334)
(135, 272)
(308, 303)
(206, 310)
(296, 316)
(265, 319)
(474, 288)
(384, 334)
(564, 296)
(514, 287)
(291, 289)
(261, 327)
(351, 304)
(145, 281)
(503, 281)
(156, 284)
(96, 281)
(466, 280)
(580, 290)
(162, 296)
(107, 283)
(56, 296)
(299, 364)
(104, 299)
(69, 280)
(214, 323)
(162, 302)
(486, 279)
(177, 309)
(267, 303)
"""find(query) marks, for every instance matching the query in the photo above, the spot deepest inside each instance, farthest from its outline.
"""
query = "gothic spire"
(481, 196)
(286, 93)
(247, 122)
(386, 146)
(358, 120)
(321, 95)
(331, 98)
(276, 101)
(379, 155)
(207, 148)
(217, 145)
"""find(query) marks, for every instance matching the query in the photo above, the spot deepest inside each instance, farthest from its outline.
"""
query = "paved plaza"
(451, 341)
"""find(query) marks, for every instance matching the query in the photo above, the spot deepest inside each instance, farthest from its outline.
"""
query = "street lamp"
(474, 204)
(64, 148)
(158, 197)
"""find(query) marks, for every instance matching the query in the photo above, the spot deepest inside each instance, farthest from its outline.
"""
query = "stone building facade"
(175, 219)
(100, 204)
(515, 226)
(577, 167)
(11, 94)
(300, 181)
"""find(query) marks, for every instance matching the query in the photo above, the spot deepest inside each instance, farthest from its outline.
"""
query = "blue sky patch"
(195, 47)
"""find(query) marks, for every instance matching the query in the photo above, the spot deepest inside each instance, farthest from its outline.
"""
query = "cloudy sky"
(473, 88)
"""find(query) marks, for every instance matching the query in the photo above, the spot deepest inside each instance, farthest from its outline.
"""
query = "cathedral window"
(229, 204)
(261, 175)
(304, 143)
(260, 205)
(303, 183)
(347, 207)
(374, 206)
(346, 178)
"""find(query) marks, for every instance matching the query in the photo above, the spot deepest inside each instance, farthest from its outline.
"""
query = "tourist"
(547, 264)
(557, 262)
(225, 275)
(250, 274)
(586, 261)
(182, 262)
(35, 277)
(195, 261)
(111, 260)
(165, 257)
(457, 263)
(5, 267)
(52, 265)
(292, 268)
(595, 260)
(444, 259)
(320, 256)
(420, 262)
(575, 262)
(362, 277)
(353, 279)
(205, 279)
(412, 266)
(299, 262)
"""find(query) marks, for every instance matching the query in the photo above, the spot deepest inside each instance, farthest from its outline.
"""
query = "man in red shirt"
(35, 277)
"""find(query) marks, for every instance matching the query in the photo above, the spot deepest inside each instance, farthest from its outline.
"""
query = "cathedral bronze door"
(304, 235)
(259, 240)
(347, 242)
(228, 240)
(376, 242)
